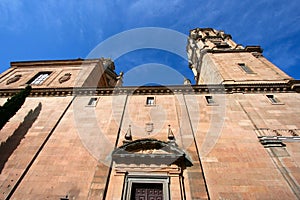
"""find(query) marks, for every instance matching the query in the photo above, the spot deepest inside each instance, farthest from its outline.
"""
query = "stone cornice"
(228, 50)
(291, 86)
(40, 63)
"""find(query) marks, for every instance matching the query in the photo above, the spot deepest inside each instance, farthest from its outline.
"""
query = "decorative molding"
(257, 87)
(275, 138)
(270, 142)
(277, 133)
(58, 63)
(150, 151)
(251, 50)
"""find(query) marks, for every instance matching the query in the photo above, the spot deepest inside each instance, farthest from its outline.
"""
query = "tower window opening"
(246, 68)
(221, 44)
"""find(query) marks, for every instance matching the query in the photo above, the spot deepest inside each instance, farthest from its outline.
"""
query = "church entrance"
(146, 167)
(147, 191)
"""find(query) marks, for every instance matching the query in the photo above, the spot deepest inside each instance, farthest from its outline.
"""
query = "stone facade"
(233, 135)
(62, 74)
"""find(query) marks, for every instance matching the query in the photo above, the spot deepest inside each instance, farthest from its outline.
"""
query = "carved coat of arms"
(149, 128)
(13, 79)
(64, 78)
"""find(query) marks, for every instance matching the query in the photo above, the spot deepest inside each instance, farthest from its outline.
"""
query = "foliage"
(12, 105)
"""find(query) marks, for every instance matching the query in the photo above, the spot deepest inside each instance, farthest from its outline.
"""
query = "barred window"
(39, 78)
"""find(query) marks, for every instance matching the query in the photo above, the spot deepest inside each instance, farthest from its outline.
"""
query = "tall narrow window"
(39, 78)
(272, 98)
(246, 68)
(150, 101)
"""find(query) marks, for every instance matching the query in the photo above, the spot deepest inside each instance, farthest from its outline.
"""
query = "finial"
(186, 81)
(120, 80)
(128, 136)
(170, 133)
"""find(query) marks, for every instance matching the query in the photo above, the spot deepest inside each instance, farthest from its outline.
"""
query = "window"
(93, 101)
(245, 68)
(272, 99)
(150, 101)
(39, 78)
(210, 100)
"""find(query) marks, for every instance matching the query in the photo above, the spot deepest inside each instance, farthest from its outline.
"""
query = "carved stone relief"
(149, 128)
(65, 77)
(14, 79)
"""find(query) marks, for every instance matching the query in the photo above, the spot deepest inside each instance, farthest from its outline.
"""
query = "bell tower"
(215, 58)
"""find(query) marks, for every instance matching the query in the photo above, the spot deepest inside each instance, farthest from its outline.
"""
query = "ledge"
(162, 90)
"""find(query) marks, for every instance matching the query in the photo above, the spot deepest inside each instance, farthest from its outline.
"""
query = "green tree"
(12, 105)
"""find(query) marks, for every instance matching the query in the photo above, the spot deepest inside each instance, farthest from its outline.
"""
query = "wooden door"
(147, 191)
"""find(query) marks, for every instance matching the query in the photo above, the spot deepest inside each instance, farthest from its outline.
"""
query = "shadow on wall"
(11, 144)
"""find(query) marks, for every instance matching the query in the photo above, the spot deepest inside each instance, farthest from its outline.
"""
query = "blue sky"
(66, 29)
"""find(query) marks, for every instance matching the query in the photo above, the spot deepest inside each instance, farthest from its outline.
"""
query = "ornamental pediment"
(149, 151)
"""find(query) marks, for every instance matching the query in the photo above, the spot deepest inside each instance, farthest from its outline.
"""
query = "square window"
(150, 101)
(210, 100)
(39, 78)
(93, 101)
